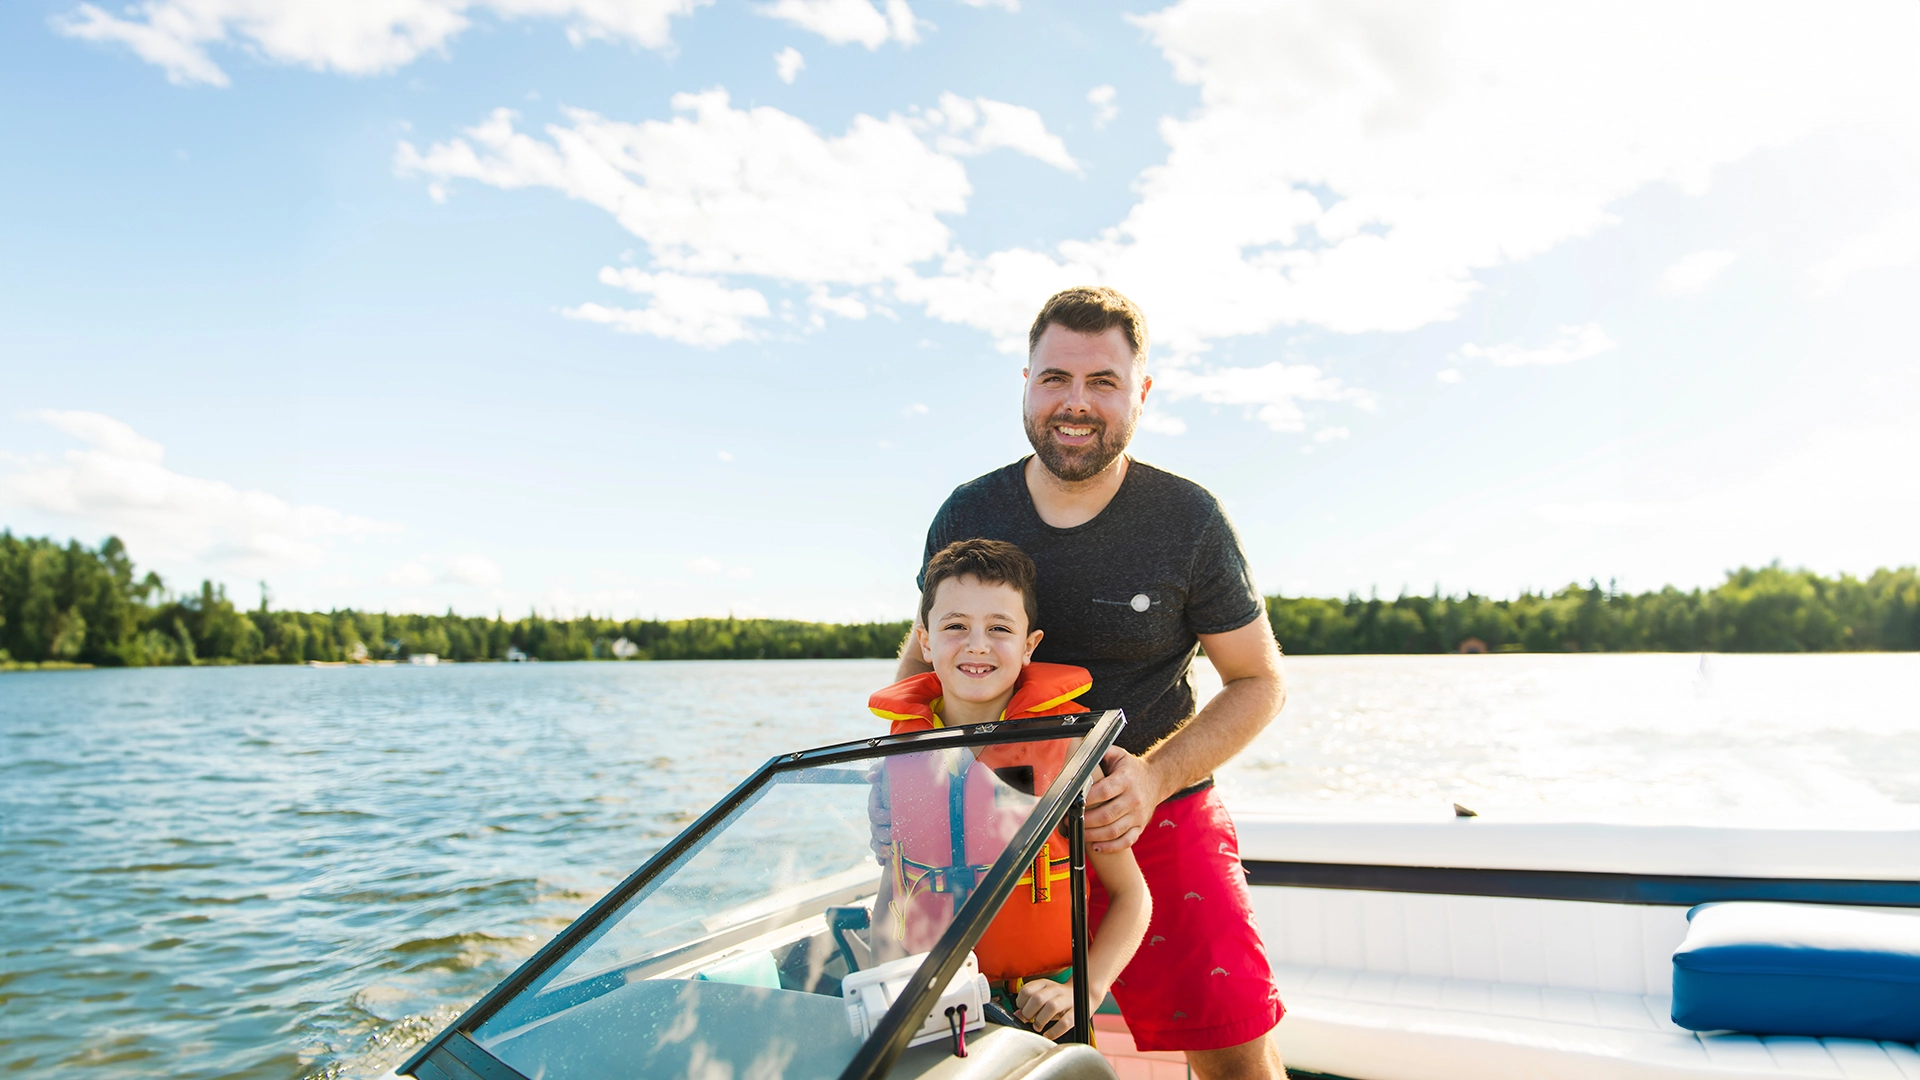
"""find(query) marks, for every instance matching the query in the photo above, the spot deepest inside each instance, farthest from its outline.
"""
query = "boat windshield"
(724, 955)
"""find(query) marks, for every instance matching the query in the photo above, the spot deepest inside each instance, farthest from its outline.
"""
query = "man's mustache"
(1099, 426)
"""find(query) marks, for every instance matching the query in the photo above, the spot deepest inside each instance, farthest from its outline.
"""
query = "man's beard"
(1076, 463)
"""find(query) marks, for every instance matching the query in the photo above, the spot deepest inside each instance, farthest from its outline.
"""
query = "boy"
(977, 614)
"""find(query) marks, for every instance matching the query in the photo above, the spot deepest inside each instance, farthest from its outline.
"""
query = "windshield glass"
(729, 962)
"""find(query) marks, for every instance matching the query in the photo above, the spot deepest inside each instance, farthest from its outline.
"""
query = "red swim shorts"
(1200, 980)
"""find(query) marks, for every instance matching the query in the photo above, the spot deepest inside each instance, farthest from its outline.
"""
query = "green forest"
(1765, 610)
(70, 605)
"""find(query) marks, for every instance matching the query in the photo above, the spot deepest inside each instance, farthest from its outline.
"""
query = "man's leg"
(1258, 1059)
(1201, 978)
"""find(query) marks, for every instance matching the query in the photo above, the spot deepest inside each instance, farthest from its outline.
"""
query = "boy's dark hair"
(1091, 309)
(991, 562)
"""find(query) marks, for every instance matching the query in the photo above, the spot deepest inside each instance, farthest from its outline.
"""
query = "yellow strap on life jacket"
(1045, 871)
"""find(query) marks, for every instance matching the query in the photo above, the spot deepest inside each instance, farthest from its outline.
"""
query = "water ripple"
(284, 873)
(280, 873)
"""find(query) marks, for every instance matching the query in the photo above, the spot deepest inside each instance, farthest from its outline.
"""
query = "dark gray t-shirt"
(1124, 594)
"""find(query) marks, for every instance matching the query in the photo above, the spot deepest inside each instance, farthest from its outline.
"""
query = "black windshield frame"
(1097, 732)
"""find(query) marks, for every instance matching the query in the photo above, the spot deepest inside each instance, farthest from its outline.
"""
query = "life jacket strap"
(1045, 871)
(935, 879)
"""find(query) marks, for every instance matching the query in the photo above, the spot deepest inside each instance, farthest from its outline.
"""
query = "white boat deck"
(1381, 1026)
(1386, 985)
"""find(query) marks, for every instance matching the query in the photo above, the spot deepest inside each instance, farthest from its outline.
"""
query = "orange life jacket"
(933, 816)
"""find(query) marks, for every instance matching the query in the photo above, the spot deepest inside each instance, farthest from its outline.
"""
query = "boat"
(1442, 949)
(744, 947)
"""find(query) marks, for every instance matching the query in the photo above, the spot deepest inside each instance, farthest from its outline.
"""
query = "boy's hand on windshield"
(1046, 1005)
(1119, 806)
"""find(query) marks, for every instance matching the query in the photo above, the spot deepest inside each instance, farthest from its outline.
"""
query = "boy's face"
(976, 638)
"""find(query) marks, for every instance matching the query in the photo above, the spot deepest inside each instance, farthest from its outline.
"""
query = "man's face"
(1084, 396)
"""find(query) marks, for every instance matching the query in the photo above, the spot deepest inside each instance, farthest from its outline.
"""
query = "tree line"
(1770, 609)
(72, 604)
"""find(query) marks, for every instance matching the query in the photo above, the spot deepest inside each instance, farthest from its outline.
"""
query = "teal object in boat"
(748, 969)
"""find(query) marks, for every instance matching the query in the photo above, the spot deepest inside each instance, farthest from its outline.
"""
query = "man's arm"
(1252, 693)
(912, 661)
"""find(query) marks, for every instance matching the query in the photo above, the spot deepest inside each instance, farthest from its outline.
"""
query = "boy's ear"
(926, 643)
(1033, 642)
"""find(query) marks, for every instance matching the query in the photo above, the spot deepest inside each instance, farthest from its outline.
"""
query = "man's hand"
(1120, 805)
(1253, 691)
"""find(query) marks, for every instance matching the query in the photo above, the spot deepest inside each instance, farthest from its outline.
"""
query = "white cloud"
(1449, 375)
(1275, 390)
(427, 571)
(1349, 167)
(1355, 167)
(1893, 241)
(1597, 512)
(787, 63)
(353, 37)
(723, 455)
(1102, 99)
(707, 565)
(412, 574)
(1695, 272)
(849, 21)
(1573, 343)
(1004, 5)
(1161, 424)
(109, 436)
(690, 310)
(163, 39)
(120, 484)
(847, 307)
(719, 190)
(998, 293)
(472, 569)
(969, 126)
(1331, 434)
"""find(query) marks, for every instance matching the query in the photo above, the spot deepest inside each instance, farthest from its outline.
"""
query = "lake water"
(282, 872)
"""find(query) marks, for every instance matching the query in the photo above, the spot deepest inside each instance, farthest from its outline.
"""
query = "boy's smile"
(977, 640)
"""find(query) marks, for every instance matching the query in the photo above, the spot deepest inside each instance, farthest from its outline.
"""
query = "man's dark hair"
(1091, 309)
(991, 562)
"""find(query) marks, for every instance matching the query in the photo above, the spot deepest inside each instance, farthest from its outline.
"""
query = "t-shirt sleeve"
(937, 538)
(1220, 593)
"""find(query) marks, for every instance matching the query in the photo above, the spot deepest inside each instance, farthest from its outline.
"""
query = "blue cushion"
(1799, 969)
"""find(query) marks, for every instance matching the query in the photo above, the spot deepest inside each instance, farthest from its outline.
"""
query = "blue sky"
(1481, 297)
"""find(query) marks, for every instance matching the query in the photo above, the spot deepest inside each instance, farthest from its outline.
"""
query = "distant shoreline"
(1206, 681)
(68, 606)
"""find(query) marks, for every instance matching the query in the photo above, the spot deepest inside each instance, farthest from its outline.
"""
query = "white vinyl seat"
(1375, 1026)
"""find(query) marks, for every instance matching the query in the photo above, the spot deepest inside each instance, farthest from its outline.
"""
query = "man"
(1137, 567)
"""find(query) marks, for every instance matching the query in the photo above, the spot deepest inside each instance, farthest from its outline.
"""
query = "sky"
(671, 308)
